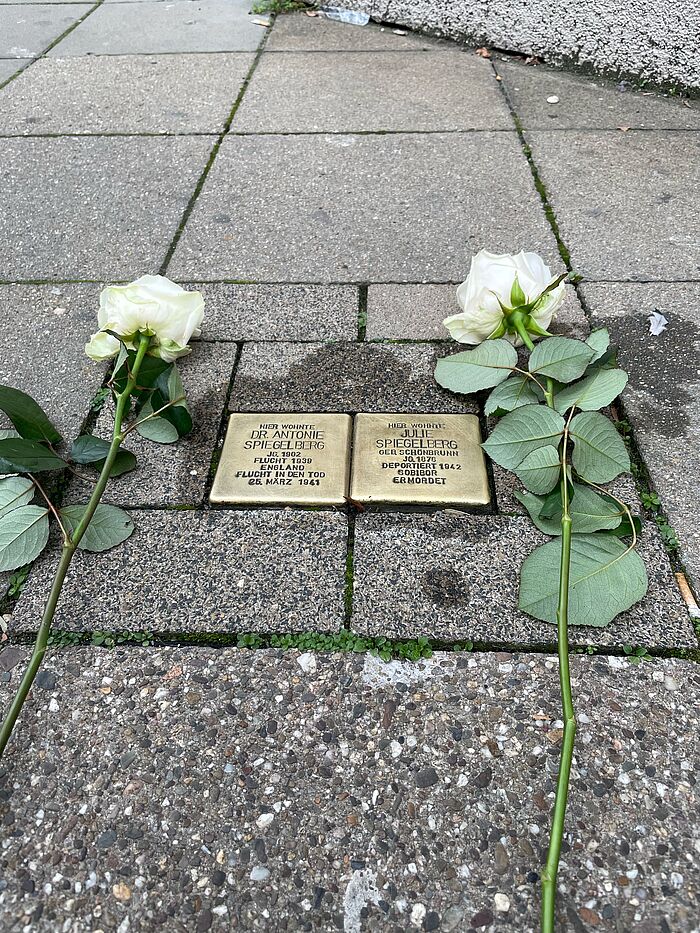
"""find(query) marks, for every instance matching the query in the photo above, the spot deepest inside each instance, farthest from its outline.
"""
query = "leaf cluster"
(33, 448)
(553, 436)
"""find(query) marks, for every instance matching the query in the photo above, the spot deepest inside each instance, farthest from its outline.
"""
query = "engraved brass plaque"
(284, 459)
(418, 460)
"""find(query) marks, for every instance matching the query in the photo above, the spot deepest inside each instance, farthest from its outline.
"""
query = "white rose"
(152, 305)
(491, 278)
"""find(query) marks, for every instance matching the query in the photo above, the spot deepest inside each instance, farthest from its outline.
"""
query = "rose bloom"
(152, 305)
(491, 278)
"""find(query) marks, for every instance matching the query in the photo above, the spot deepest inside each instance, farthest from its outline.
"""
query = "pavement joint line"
(214, 152)
(220, 640)
(54, 42)
(321, 283)
(221, 430)
(167, 134)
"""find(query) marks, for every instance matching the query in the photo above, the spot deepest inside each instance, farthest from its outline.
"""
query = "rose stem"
(68, 551)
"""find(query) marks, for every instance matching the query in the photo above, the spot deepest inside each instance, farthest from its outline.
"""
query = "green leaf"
(539, 471)
(592, 392)
(30, 420)
(156, 429)
(151, 369)
(598, 341)
(93, 450)
(589, 512)
(560, 358)
(481, 368)
(605, 579)
(169, 388)
(18, 455)
(15, 491)
(23, 536)
(108, 527)
(599, 453)
(522, 431)
(511, 394)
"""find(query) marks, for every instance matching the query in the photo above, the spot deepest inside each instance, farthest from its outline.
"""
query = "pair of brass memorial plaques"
(305, 459)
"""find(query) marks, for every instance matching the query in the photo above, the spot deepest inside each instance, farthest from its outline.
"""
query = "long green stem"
(549, 873)
(68, 551)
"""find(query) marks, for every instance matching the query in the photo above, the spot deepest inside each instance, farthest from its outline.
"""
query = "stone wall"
(657, 40)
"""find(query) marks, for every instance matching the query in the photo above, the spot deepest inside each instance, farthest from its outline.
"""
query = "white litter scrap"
(657, 323)
(553, 99)
(361, 890)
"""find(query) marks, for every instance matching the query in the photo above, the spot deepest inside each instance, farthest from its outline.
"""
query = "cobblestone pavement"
(324, 186)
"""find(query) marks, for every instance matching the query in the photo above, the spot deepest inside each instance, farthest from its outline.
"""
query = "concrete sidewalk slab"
(156, 27)
(125, 94)
(43, 330)
(192, 789)
(342, 208)
(461, 572)
(298, 32)
(663, 393)
(27, 30)
(84, 208)
(342, 377)
(621, 201)
(416, 312)
(188, 571)
(278, 312)
(174, 474)
(353, 92)
(587, 102)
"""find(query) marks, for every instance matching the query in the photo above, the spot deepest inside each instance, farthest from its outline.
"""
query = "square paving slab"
(174, 474)
(339, 208)
(84, 208)
(622, 200)
(454, 576)
(125, 94)
(342, 377)
(298, 32)
(662, 397)
(43, 330)
(189, 789)
(416, 312)
(186, 571)
(27, 29)
(177, 26)
(355, 92)
(278, 312)
(588, 102)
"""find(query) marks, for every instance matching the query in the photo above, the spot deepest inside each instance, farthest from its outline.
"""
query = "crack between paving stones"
(213, 154)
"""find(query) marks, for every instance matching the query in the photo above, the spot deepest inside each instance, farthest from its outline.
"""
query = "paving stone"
(405, 208)
(416, 312)
(342, 377)
(125, 94)
(589, 102)
(278, 312)
(84, 208)
(178, 26)
(621, 201)
(663, 394)
(298, 32)
(190, 571)
(43, 330)
(355, 92)
(8, 67)
(189, 787)
(174, 474)
(454, 576)
(26, 31)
